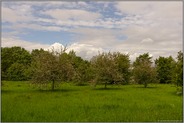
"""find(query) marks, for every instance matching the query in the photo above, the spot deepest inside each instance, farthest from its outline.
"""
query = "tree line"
(50, 68)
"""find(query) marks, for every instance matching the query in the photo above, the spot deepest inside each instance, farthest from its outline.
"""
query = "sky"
(92, 27)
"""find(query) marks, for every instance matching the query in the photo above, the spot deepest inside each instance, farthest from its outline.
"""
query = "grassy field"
(130, 103)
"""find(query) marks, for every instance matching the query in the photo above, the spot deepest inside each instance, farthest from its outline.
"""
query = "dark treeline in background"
(43, 68)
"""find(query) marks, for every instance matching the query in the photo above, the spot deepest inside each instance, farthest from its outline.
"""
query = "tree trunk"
(53, 85)
(105, 85)
(145, 84)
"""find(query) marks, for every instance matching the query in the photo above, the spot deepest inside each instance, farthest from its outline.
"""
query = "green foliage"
(143, 72)
(36, 52)
(16, 56)
(82, 72)
(143, 59)
(56, 67)
(107, 68)
(111, 68)
(78, 68)
(177, 73)
(165, 67)
(16, 72)
(46, 68)
(66, 67)
(123, 63)
(179, 70)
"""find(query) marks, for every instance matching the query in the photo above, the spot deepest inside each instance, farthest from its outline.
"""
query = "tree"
(143, 72)
(165, 67)
(179, 69)
(110, 68)
(80, 68)
(46, 69)
(36, 52)
(10, 56)
(123, 62)
(17, 72)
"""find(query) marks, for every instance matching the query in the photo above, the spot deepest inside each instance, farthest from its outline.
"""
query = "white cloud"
(147, 40)
(36, 27)
(15, 14)
(9, 42)
(108, 23)
(56, 47)
(99, 37)
(86, 51)
(154, 27)
(74, 14)
(132, 7)
(151, 7)
(63, 4)
(159, 13)
(160, 21)
(61, 17)
(118, 13)
(82, 3)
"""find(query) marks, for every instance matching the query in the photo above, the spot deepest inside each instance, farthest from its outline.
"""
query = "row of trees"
(44, 68)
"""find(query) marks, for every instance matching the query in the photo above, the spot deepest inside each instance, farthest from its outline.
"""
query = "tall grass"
(72, 103)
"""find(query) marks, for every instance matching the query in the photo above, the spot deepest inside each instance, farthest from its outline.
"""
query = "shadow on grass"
(149, 87)
(107, 89)
(57, 90)
(7, 91)
(37, 90)
(14, 91)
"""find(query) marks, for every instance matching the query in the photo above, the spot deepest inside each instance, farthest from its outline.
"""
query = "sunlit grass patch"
(21, 102)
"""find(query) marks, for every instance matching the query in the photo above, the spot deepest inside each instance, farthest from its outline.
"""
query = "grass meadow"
(22, 103)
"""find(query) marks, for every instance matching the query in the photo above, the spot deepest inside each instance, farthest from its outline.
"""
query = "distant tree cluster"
(49, 68)
(15, 62)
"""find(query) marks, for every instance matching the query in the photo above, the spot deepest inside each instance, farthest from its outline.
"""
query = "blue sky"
(93, 26)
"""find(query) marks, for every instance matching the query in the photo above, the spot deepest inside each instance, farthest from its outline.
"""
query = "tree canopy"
(49, 68)
(143, 72)
(111, 68)
(165, 67)
(14, 58)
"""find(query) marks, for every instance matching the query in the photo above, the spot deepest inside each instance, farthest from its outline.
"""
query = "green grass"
(71, 103)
